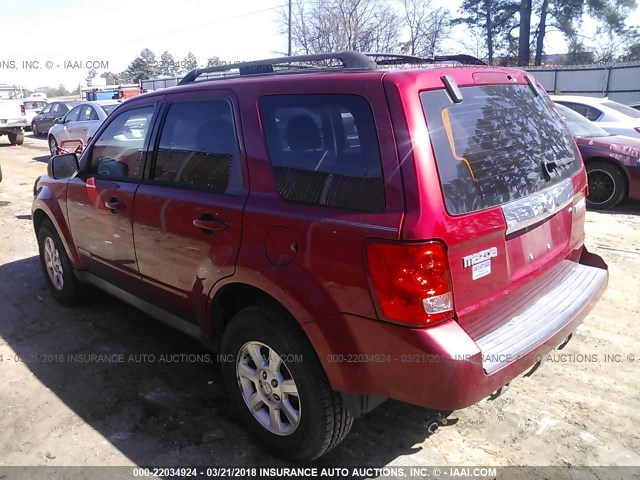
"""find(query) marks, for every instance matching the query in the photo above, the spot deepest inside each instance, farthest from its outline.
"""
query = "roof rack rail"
(349, 59)
(400, 59)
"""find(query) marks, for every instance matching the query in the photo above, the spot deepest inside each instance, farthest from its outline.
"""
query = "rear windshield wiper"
(550, 165)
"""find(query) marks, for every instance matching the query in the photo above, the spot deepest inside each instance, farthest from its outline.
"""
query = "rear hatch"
(513, 188)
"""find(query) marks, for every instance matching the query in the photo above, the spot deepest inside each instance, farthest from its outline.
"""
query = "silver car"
(73, 131)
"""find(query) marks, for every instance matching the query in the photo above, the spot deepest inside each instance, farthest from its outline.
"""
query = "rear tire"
(56, 266)
(267, 359)
(607, 185)
(16, 138)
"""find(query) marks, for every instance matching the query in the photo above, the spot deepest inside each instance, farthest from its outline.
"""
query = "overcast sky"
(115, 32)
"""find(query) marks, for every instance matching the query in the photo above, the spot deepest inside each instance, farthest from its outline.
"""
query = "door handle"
(114, 205)
(209, 225)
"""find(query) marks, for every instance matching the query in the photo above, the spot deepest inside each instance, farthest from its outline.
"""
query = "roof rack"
(350, 60)
(399, 59)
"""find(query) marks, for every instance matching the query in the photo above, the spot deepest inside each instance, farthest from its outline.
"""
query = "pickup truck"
(13, 120)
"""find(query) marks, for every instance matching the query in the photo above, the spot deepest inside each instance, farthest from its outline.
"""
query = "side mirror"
(63, 166)
(57, 121)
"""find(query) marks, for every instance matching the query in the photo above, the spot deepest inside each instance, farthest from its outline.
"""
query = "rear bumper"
(442, 367)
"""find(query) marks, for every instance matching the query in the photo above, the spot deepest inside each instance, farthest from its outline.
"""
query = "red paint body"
(310, 258)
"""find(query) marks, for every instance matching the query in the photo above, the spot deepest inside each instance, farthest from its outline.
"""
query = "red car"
(613, 161)
(341, 234)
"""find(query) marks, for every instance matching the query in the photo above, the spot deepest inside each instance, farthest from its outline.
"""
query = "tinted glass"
(199, 147)
(618, 107)
(109, 108)
(87, 113)
(579, 125)
(72, 116)
(501, 143)
(324, 150)
(118, 151)
(33, 105)
(586, 111)
(46, 109)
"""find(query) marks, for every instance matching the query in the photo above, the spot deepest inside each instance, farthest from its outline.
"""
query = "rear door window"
(500, 144)
(324, 150)
(199, 148)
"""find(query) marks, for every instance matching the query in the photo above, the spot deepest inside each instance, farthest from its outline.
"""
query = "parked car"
(12, 120)
(611, 116)
(612, 161)
(80, 123)
(32, 107)
(43, 121)
(355, 234)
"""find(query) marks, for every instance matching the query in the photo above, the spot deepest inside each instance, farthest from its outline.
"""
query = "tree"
(141, 68)
(632, 48)
(213, 62)
(111, 78)
(189, 63)
(90, 76)
(334, 25)
(524, 49)
(168, 66)
(495, 18)
(427, 27)
(567, 15)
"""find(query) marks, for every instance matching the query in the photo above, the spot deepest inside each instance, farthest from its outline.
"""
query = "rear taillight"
(22, 110)
(411, 282)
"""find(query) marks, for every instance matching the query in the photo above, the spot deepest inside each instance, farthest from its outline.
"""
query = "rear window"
(324, 150)
(109, 108)
(500, 144)
(618, 107)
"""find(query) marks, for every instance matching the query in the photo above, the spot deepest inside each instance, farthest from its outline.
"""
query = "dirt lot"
(152, 412)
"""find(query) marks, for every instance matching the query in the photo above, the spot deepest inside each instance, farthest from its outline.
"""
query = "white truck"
(13, 120)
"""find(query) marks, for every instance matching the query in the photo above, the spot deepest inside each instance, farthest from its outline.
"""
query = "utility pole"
(289, 51)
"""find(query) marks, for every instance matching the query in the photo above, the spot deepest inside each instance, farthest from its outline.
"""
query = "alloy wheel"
(53, 263)
(268, 388)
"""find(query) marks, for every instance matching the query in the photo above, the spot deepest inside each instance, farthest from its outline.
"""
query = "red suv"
(342, 230)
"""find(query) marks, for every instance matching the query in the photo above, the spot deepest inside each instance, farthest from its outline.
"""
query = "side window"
(86, 113)
(118, 152)
(46, 109)
(586, 111)
(324, 150)
(593, 114)
(199, 147)
(72, 116)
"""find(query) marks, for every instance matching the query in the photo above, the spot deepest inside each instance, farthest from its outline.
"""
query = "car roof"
(579, 99)
(425, 78)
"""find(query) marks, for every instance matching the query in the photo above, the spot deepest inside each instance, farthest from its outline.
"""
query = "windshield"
(580, 126)
(618, 107)
(499, 144)
(109, 108)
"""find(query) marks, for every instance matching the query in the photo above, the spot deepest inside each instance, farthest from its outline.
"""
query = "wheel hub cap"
(268, 388)
(53, 263)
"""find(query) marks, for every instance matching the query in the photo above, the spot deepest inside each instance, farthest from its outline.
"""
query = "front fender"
(51, 201)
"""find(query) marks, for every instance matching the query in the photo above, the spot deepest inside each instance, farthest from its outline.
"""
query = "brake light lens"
(411, 282)
(22, 110)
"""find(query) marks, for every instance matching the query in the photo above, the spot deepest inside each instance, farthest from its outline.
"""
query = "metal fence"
(619, 82)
